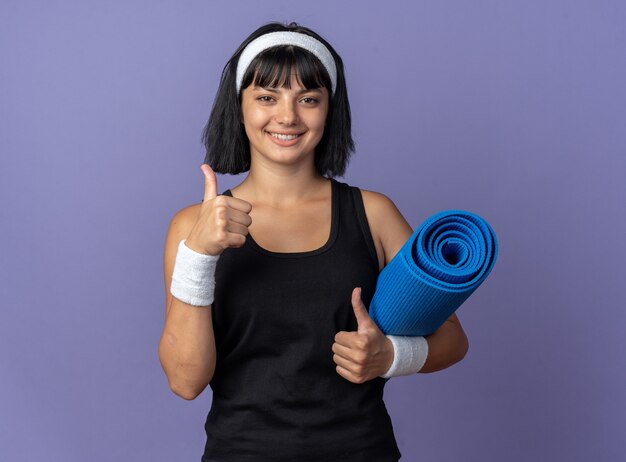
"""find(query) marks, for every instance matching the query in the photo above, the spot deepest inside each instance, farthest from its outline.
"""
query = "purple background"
(513, 110)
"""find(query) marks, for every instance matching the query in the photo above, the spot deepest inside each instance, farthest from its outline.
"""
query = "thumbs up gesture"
(223, 220)
(365, 354)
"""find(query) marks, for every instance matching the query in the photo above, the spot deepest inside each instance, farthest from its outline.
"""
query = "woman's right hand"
(223, 221)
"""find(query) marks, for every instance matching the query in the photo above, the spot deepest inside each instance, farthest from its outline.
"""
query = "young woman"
(268, 284)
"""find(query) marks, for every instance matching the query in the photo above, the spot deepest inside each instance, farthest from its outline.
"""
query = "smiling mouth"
(285, 137)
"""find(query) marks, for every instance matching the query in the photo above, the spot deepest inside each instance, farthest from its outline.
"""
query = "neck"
(282, 187)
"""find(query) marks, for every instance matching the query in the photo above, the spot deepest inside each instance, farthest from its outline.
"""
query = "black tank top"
(276, 393)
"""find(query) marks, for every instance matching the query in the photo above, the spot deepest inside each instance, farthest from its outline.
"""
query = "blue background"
(512, 110)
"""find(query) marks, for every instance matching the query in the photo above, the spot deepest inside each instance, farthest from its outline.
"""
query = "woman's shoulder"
(374, 199)
(184, 219)
(389, 228)
(189, 210)
(377, 205)
(376, 202)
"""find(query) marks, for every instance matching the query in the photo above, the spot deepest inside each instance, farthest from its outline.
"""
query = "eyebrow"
(274, 90)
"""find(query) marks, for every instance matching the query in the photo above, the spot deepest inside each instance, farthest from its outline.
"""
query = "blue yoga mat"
(436, 270)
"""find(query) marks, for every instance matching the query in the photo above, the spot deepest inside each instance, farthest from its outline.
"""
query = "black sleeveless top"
(276, 393)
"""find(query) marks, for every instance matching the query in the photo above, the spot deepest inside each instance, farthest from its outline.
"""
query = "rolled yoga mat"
(436, 270)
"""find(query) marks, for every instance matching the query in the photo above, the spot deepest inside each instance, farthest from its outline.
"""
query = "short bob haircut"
(224, 137)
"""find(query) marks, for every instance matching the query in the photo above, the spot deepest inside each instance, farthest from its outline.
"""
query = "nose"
(287, 112)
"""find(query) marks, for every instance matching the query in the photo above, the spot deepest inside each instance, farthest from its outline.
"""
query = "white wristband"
(409, 355)
(193, 279)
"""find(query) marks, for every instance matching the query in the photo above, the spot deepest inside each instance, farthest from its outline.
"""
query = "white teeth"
(284, 137)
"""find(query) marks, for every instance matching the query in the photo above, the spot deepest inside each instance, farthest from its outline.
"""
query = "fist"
(365, 354)
(223, 221)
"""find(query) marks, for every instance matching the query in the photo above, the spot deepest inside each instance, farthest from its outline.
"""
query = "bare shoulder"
(389, 228)
(179, 228)
(185, 217)
(376, 203)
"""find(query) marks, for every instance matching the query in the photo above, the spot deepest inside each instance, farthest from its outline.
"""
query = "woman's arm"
(448, 344)
(187, 344)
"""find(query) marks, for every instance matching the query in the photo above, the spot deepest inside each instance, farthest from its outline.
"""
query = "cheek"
(250, 114)
(253, 120)
(318, 122)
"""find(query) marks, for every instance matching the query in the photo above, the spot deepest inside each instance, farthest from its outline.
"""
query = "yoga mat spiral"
(436, 270)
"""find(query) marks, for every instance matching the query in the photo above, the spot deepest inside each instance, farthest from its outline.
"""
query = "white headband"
(273, 39)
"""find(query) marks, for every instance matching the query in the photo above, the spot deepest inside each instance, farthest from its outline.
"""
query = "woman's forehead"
(294, 82)
(297, 89)
(286, 67)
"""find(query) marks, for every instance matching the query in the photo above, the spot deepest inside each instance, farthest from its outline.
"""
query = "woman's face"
(284, 124)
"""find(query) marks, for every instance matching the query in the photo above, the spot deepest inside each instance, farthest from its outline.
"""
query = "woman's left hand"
(365, 354)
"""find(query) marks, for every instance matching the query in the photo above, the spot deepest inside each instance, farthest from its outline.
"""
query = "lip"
(285, 143)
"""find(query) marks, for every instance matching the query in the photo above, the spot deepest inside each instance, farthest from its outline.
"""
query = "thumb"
(363, 319)
(210, 182)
